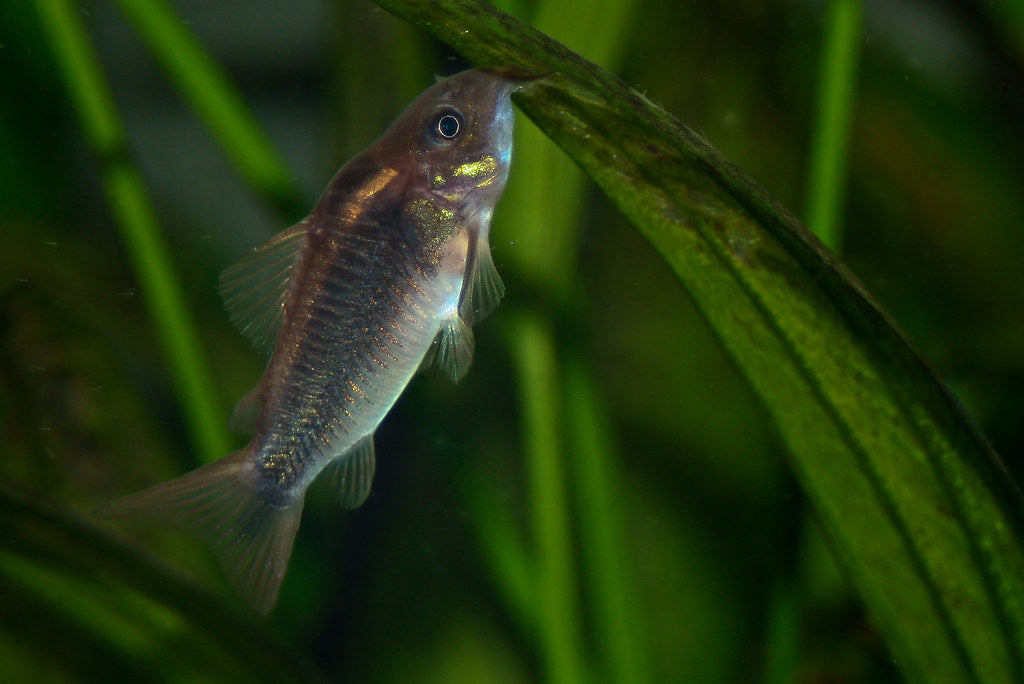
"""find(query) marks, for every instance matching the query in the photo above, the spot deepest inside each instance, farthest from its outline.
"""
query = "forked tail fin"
(252, 536)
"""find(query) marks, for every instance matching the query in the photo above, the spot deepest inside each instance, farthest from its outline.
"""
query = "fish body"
(384, 276)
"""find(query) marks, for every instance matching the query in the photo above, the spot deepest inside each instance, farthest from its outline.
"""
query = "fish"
(384, 277)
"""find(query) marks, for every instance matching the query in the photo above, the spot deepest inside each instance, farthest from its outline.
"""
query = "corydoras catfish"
(384, 276)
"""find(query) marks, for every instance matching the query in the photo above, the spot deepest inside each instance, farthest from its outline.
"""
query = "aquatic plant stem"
(782, 634)
(558, 618)
(133, 213)
(504, 549)
(824, 200)
(202, 82)
(826, 179)
(544, 205)
(543, 211)
(598, 485)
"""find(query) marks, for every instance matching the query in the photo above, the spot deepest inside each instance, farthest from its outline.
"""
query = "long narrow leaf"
(532, 346)
(826, 179)
(215, 98)
(921, 512)
(543, 209)
(606, 556)
(137, 222)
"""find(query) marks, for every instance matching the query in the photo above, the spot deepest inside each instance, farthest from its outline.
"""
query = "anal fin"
(350, 475)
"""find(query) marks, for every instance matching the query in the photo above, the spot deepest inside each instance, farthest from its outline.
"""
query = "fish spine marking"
(386, 274)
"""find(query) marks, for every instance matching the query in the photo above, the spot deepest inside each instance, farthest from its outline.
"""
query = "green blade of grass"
(826, 179)
(139, 228)
(531, 345)
(542, 210)
(545, 204)
(921, 512)
(219, 105)
(504, 549)
(605, 553)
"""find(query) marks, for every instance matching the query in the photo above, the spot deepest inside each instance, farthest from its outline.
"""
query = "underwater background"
(602, 440)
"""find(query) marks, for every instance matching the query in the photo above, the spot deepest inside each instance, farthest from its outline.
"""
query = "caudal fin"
(252, 537)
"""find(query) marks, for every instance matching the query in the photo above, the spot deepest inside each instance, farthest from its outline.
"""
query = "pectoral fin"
(256, 287)
(351, 474)
(483, 288)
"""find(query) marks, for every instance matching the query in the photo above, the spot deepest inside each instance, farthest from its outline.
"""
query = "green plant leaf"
(136, 219)
(202, 82)
(106, 604)
(557, 608)
(917, 506)
(826, 179)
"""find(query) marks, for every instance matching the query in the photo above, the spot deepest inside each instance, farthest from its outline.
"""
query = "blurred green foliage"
(720, 566)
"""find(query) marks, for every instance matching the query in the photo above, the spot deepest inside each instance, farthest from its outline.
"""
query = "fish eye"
(446, 126)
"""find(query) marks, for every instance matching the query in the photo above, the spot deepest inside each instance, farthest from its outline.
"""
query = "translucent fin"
(254, 289)
(252, 536)
(247, 411)
(484, 288)
(351, 474)
(452, 351)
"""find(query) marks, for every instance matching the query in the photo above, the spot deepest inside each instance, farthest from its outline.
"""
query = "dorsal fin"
(351, 474)
(483, 288)
(254, 289)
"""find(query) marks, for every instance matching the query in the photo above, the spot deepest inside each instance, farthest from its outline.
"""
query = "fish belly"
(355, 360)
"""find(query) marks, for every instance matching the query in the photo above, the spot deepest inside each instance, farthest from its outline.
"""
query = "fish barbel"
(384, 276)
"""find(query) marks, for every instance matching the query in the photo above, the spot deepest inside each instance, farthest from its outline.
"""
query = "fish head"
(437, 171)
(459, 133)
(466, 136)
